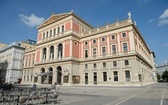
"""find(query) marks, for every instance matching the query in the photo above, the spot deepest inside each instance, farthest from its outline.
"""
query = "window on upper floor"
(86, 53)
(47, 35)
(104, 64)
(86, 66)
(113, 49)
(123, 34)
(126, 62)
(58, 30)
(94, 41)
(114, 63)
(103, 39)
(112, 37)
(103, 50)
(125, 47)
(54, 31)
(94, 65)
(62, 28)
(86, 43)
(94, 51)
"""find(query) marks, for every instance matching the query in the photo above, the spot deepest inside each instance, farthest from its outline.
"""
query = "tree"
(158, 76)
(165, 75)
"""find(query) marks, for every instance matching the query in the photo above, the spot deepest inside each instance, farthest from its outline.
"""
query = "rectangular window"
(113, 49)
(113, 37)
(103, 50)
(86, 43)
(86, 66)
(127, 75)
(103, 39)
(104, 64)
(94, 41)
(58, 30)
(43, 35)
(115, 75)
(33, 61)
(114, 63)
(62, 28)
(123, 34)
(125, 48)
(104, 76)
(94, 52)
(47, 34)
(27, 78)
(126, 62)
(54, 31)
(86, 53)
(94, 65)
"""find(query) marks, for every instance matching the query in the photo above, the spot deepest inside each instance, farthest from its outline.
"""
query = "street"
(154, 94)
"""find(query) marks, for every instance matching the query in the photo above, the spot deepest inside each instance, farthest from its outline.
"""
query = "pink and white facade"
(71, 52)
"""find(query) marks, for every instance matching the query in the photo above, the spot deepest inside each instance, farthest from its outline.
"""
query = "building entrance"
(59, 74)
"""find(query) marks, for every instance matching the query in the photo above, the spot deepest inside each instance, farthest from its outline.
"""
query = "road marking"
(161, 101)
(132, 96)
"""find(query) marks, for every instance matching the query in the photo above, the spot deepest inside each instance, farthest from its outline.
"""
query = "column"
(70, 75)
(63, 49)
(108, 48)
(98, 47)
(71, 48)
(54, 78)
(48, 54)
(41, 55)
(55, 52)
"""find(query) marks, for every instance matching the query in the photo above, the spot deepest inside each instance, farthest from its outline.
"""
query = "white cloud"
(163, 19)
(150, 21)
(164, 15)
(31, 20)
(163, 22)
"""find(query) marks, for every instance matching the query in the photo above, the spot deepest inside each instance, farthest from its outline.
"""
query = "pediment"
(53, 18)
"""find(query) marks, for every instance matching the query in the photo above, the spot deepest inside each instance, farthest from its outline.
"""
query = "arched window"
(60, 51)
(59, 74)
(44, 53)
(51, 52)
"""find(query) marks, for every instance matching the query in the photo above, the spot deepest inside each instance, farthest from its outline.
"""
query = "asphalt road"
(155, 94)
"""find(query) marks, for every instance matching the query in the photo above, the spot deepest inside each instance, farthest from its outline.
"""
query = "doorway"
(59, 74)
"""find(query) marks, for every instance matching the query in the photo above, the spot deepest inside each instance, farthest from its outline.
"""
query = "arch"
(43, 77)
(44, 53)
(59, 74)
(42, 70)
(51, 52)
(50, 76)
(60, 50)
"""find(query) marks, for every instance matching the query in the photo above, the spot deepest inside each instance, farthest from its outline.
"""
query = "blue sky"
(19, 18)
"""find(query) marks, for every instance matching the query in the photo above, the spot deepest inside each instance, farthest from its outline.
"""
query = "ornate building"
(11, 60)
(69, 51)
